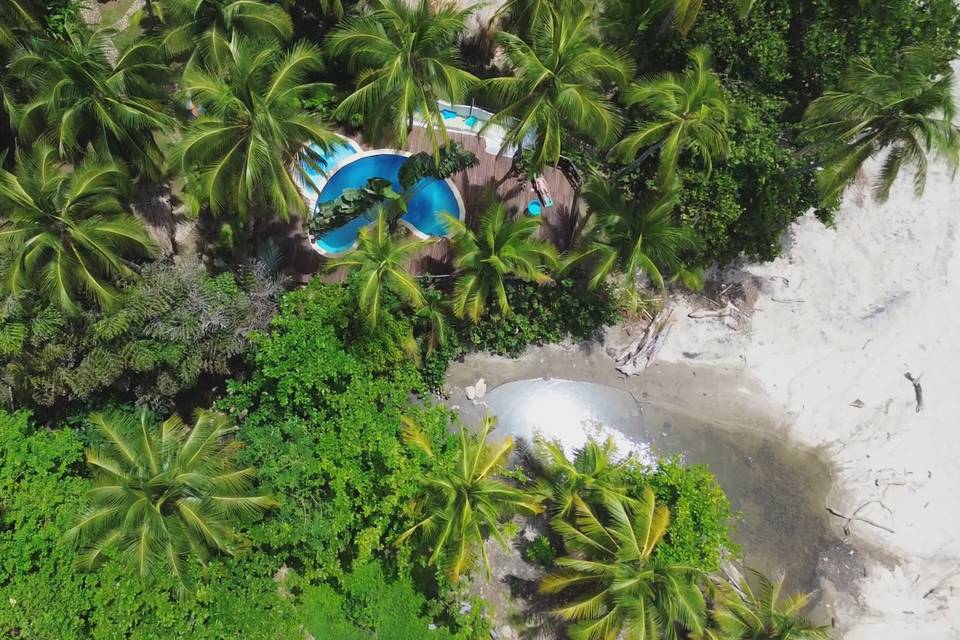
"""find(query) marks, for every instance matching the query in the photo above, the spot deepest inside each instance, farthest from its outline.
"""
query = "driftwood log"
(917, 389)
(641, 353)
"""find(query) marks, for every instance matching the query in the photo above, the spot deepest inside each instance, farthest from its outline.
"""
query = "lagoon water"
(779, 491)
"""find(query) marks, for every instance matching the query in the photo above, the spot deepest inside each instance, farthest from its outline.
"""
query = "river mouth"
(778, 490)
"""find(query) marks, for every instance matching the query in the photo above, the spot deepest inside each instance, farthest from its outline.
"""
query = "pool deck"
(490, 173)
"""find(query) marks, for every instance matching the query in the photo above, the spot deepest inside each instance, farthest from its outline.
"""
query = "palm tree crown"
(759, 614)
(462, 504)
(622, 591)
(66, 235)
(74, 94)
(636, 236)
(381, 264)
(590, 478)
(907, 112)
(254, 135)
(164, 494)
(501, 247)
(686, 112)
(559, 82)
(407, 57)
(203, 28)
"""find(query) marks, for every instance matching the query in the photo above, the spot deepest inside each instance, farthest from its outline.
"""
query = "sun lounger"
(540, 184)
(448, 114)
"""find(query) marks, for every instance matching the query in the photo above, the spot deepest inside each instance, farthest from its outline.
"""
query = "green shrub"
(698, 534)
(540, 551)
(320, 420)
(541, 315)
(745, 205)
(371, 607)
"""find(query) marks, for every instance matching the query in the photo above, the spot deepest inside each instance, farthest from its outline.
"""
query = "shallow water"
(779, 490)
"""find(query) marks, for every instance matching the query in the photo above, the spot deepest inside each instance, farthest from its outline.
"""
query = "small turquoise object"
(448, 114)
(534, 207)
(470, 121)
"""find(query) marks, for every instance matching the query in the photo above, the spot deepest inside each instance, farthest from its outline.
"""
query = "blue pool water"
(431, 198)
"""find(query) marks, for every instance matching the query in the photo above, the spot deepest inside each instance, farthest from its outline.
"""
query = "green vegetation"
(460, 506)
(380, 264)
(693, 134)
(501, 247)
(67, 235)
(407, 59)
(174, 332)
(621, 588)
(162, 494)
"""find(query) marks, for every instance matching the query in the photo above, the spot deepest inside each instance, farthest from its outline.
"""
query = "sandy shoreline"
(830, 330)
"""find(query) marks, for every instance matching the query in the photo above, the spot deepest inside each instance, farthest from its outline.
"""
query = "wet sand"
(709, 415)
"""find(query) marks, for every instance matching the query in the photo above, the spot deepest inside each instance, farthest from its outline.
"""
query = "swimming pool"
(430, 198)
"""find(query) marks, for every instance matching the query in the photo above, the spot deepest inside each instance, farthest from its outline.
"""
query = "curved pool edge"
(330, 253)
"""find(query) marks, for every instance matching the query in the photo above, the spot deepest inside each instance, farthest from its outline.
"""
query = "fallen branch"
(643, 351)
(855, 517)
(917, 389)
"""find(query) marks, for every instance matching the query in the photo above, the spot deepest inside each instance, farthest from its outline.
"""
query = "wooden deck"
(491, 177)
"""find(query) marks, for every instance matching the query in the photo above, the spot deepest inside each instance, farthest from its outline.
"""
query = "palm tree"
(408, 58)
(254, 134)
(380, 262)
(462, 504)
(590, 478)
(758, 614)
(65, 235)
(501, 247)
(686, 112)
(434, 318)
(74, 94)
(633, 236)
(559, 83)
(621, 589)
(907, 112)
(521, 16)
(163, 494)
(204, 28)
(15, 16)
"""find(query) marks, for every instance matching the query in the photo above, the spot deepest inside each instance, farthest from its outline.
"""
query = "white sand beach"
(841, 317)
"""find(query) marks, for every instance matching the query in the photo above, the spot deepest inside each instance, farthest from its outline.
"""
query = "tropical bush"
(700, 514)
(323, 430)
(372, 606)
(46, 596)
(171, 330)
